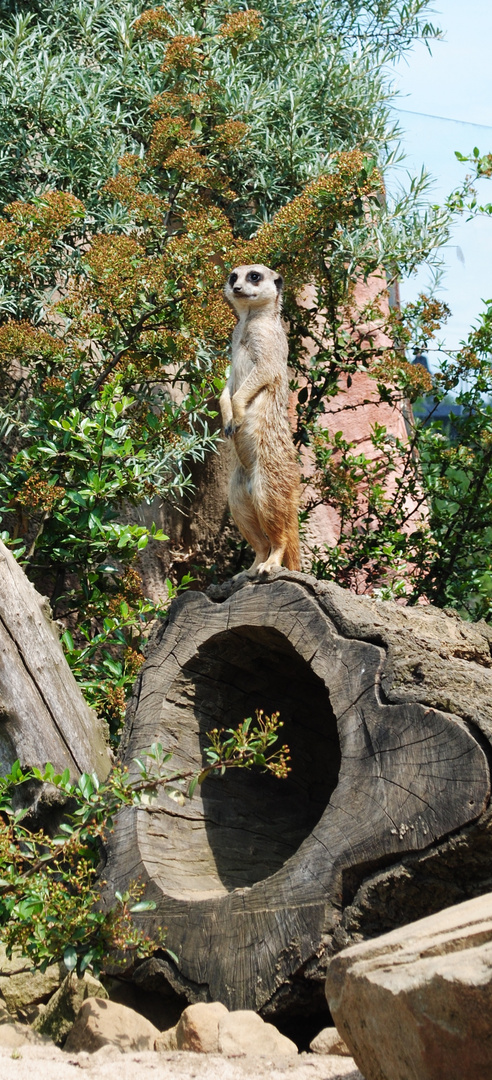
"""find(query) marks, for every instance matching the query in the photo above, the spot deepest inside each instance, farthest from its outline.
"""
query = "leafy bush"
(50, 885)
(146, 151)
(416, 515)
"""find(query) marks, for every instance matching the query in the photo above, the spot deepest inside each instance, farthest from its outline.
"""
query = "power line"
(448, 119)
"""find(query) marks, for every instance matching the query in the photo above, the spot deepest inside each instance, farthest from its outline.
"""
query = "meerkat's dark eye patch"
(254, 277)
(232, 279)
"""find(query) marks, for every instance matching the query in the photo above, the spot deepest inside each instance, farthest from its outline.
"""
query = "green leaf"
(192, 786)
(70, 958)
(86, 785)
(77, 498)
(67, 640)
(86, 960)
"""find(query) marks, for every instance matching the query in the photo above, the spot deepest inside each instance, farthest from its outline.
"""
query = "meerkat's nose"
(237, 289)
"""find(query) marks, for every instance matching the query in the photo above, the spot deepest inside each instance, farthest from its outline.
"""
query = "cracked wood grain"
(43, 716)
(251, 884)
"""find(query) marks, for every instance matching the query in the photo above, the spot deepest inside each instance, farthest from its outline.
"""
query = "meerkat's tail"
(292, 558)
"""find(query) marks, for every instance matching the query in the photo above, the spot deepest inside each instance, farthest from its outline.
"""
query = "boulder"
(328, 1041)
(21, 987)
(212, 1029)
(198, 1027)
(163, 1012)
(101, 1022)
(14, 1035)
(166, 1040)
(416, 1004)
(60, 1013)
(244, 1032)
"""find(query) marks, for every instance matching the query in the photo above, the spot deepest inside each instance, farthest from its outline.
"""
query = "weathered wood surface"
(43, 716)
(251, 877)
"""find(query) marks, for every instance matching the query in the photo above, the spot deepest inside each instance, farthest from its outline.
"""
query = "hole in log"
(254, 822)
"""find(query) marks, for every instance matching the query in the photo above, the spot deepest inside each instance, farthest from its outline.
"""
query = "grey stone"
(101, 1022)
(14, 1035)
(166, 1040)
(198, 1027)
(21, 986)
(416, 1004)
(328, 1041)
(59, 1015)
(244, 1032)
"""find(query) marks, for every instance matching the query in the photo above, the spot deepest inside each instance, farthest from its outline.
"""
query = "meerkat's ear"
(279, 282)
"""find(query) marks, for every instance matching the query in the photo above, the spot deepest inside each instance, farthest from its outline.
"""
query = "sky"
(445, 104)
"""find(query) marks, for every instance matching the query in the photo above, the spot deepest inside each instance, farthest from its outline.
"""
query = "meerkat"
(264, 484)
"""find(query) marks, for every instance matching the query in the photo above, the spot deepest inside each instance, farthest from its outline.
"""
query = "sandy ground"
(49, 1063)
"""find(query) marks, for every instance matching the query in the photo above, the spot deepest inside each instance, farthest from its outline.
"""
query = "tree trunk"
(199, 526)
(251, 876)
(43, 716)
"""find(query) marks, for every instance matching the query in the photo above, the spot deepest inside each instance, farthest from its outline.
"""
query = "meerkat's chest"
(243, 356)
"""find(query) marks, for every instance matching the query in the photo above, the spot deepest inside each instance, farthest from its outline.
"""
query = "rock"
(209, 1028)
(59, 1015)
(101, 1022)
(32, 1013)
(416, 1004)
(22, 987)
(14, 1035)
(244, 1032)
(198, 1027)
(164, 1012)
(167, 1040)
(328, 1041)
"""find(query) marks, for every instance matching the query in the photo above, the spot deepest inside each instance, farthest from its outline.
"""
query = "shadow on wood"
(251, 876)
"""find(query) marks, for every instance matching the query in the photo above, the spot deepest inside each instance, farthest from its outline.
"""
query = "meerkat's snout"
(253, 285)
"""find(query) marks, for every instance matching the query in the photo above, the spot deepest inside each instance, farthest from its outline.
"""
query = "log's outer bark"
(401, 776)
(43, 716)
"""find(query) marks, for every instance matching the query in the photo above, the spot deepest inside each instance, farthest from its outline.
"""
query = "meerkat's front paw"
(230, 429)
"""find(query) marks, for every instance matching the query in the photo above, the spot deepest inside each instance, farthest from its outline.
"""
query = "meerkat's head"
(253, 287)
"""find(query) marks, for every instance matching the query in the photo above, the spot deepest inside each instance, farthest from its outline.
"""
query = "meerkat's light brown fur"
(264, 484)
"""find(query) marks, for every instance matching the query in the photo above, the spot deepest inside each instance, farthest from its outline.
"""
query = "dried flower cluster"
(242, 26)
(154, 24)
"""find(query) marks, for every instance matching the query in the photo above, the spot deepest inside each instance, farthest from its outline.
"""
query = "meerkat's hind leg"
(282, 552)
(280, 533)
(273, 562)
(260, 545)
(277, 544)
(246, 518)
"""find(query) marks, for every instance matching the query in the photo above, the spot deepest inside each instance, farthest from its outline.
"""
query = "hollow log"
(388, 757)
(43, 716)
